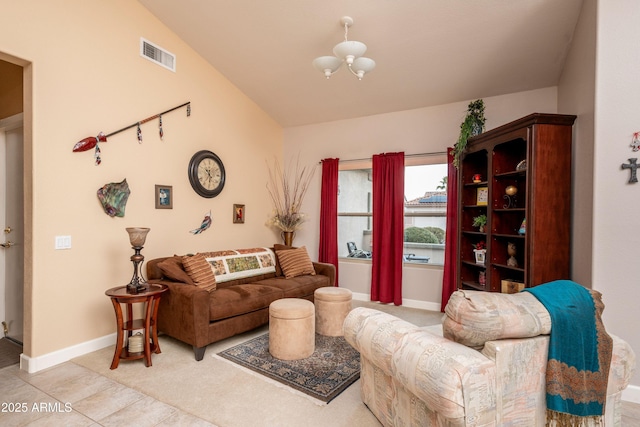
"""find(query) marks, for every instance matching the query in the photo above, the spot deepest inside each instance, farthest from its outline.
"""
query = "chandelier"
(349, 52)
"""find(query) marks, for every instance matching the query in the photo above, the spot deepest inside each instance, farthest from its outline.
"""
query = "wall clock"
(206, 174)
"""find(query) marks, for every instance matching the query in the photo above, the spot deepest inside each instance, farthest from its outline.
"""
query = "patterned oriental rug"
(333, 366)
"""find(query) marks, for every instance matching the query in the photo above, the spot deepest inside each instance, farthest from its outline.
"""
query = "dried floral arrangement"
(287, 188)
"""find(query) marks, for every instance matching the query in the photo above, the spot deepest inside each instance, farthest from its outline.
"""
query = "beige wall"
(88, 77)
(600, 85)
(576, 95)
(424, 130)
(616, 233)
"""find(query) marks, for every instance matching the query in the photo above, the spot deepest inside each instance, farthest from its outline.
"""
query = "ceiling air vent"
(157, 54)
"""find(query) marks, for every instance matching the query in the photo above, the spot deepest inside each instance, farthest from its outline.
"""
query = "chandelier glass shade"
(348, 52)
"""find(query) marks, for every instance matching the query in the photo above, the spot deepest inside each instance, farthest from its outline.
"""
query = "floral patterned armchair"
(488, 371)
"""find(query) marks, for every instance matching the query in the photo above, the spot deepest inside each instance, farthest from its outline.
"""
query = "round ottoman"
(332, 306)
(292, 332)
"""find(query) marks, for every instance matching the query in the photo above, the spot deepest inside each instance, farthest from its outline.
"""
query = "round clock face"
(206, 174)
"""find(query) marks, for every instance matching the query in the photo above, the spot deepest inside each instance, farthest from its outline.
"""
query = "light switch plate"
(63, 242)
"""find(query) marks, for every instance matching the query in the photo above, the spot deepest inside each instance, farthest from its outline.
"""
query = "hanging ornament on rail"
(92, 141)
(635, 142)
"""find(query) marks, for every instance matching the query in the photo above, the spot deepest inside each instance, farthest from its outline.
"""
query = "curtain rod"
(438, 153)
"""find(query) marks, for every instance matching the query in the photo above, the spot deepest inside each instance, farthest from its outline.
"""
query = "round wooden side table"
(151, 298)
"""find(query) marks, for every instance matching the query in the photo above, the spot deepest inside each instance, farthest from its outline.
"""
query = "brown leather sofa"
(199, 317)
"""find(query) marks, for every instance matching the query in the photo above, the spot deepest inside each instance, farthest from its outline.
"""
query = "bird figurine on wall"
(206, 223)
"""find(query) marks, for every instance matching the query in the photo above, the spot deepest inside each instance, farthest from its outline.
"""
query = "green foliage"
(423, 235)
(472, 125)
(443, 183)
(439, 233)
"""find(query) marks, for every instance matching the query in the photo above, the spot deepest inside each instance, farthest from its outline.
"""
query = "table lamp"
(137, 237)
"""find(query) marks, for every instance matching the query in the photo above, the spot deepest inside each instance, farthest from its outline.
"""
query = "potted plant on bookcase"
(472, 125)
(480, 221)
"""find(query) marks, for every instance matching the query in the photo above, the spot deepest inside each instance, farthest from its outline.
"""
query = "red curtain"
(328, 249)
(388, 228)
(449, 279)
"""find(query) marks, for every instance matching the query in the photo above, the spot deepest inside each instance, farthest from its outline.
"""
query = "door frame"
(27, 95)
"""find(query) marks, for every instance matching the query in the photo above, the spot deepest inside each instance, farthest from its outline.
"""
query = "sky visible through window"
(420, 179)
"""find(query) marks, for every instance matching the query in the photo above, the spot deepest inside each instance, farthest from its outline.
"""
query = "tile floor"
(72, 395)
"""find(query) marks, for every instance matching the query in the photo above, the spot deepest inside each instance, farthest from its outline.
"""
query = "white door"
(11, 227)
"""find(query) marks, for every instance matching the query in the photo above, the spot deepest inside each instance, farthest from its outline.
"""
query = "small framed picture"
(482, 198)
(164, 197)
(238, 214)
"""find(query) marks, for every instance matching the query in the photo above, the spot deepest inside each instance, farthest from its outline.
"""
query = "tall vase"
(287, 237)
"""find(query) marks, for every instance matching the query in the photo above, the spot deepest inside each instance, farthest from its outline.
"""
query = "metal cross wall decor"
(633, 166)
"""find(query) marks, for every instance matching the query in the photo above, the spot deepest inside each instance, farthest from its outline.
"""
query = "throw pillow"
(200, 272)
(278, 247)
(172, 268)
(295, 262)
(240, 263)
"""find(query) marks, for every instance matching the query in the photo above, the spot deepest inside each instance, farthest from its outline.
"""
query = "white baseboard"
(411, 303)
(35, 364)
(631, 394)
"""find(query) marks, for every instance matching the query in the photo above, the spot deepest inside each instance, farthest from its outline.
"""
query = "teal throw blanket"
(579, 351)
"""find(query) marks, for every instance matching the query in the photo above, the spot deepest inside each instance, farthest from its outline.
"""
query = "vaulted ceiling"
(427, 52)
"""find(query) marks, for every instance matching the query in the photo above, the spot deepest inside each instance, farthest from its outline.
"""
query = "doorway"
(12, 214)
(11, 223)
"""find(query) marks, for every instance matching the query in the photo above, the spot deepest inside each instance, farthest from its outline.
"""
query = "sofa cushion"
(295, 262)
(199, 271)
(241, 299)
(173, 269)
(297, 287)
(475, 317)
(240, 263)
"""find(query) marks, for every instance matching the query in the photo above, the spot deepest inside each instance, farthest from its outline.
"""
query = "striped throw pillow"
(295, 262)
(200, 271)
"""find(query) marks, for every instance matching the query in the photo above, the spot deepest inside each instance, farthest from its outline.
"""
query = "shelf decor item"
(511, 286)
(481, 222)
(510, 197)
(511, 251)
(482, 196)
(480, 252)
(523, 227)
(480, 255)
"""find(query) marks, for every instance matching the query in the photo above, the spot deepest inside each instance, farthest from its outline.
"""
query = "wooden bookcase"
(532, 154)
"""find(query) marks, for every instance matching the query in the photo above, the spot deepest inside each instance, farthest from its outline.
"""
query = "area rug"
(333, 366)
(9, 352)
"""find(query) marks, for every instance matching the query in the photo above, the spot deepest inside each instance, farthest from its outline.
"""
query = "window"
(425, 210)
